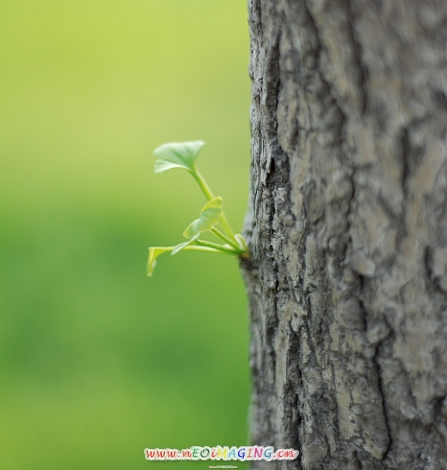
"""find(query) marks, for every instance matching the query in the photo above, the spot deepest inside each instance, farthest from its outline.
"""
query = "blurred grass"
(97, 361)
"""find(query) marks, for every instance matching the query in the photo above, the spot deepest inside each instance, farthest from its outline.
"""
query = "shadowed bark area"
(347, 224)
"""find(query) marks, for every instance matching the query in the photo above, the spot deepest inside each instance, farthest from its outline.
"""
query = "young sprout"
(184, 155)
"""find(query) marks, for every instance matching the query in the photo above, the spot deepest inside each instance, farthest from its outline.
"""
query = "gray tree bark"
(347, 225)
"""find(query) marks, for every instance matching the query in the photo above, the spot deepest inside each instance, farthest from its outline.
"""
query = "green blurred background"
(97, 361)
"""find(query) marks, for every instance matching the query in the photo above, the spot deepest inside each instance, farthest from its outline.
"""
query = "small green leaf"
(153, 254)
(177, 155)
(208, 218)
(180, 247)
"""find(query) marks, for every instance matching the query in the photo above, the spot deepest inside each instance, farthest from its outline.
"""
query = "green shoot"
(184, 155)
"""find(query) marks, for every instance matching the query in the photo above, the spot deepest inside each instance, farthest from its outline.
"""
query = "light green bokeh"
(97, 361)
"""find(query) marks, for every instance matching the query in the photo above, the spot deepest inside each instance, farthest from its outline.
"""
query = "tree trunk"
(347, 225)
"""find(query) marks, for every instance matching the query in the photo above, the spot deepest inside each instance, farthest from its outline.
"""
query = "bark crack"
(381, 389)
(325, 81)
(358, 57)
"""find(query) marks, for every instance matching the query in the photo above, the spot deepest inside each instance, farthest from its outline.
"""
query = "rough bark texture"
(348, 230)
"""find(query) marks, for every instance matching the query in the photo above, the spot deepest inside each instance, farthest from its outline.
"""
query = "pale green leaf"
(177, 155)
(153, 254)
(181, 246)
(208, 218)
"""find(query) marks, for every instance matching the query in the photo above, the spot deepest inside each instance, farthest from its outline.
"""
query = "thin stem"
(219, 247)
(203, 186)
(167, 249)
(209, 195)
(223, 237)
(201, 248)
(224, 222)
